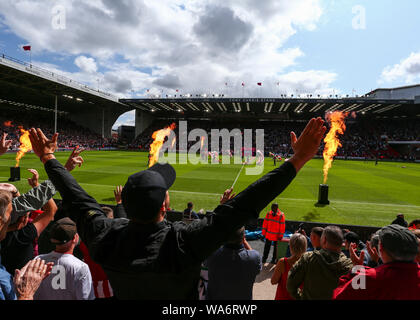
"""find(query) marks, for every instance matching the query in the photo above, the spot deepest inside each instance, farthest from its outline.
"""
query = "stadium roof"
(25, 85)
(272, 108)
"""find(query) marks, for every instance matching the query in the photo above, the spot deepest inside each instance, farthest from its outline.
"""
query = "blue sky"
(196, 46)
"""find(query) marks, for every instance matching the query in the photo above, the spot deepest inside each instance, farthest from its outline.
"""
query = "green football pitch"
(360, 192)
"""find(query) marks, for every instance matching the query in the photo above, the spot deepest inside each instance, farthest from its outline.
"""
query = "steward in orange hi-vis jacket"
(274, 226)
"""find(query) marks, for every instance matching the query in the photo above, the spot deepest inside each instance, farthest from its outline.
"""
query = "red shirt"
(390, 281)
(33, 215)
(100, 281)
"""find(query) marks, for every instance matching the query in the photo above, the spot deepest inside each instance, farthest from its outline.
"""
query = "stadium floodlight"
(78, 99)
(204, 95)
(216, 95)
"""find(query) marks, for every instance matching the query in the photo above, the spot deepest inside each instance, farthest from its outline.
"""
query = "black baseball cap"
(63, 231)
(396, 238)
(145, 191)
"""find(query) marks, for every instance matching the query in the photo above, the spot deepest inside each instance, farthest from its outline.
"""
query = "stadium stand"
(364, 138)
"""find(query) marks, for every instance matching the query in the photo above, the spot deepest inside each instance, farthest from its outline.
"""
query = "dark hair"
(108, 211)
(334, 236)
(274, 205)
(237, 237)
(412, 223)
(189, 205)
(317, 230)
(352, 237)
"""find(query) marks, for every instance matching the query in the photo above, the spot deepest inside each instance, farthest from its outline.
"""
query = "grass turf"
(360, 192)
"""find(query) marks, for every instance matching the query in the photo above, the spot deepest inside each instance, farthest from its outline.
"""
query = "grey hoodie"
(319, 272)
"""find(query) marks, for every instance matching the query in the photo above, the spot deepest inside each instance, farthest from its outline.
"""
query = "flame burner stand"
(14, 174)
(323, 194)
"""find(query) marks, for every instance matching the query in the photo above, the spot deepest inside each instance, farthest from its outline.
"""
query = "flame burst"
(158, 139)
(332, 142)
(25, 145)
(8, 124)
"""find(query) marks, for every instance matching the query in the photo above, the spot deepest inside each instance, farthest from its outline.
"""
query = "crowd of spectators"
(134, 252)
(71, 134)
(363, 138)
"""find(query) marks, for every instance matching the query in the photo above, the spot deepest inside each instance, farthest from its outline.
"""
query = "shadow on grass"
(311, 216)
(108, 199)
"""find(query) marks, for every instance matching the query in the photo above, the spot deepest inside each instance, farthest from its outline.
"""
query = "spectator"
(320, 270)
(372, 258)
(33, 200)
(274, 226)
(27, 279)
(146, 256)
(298, 245)
(350, 237)
(189, 214)
(397, 279)
(109, 213)
(315, 237)
(19, 244)
(400, 221)
(119, 211)
(415, 224)
(417, 234)
(75, 281)
(232, 270)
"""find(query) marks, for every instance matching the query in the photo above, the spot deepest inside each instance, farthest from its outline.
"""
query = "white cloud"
(196, 49)
(86, 64)
(407, 70)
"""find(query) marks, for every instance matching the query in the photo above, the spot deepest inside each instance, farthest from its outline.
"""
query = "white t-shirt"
(70, 279)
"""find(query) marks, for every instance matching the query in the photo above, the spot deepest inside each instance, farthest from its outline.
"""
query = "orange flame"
(25, 145)
(332, 142)
(8, 124)
(158, 139)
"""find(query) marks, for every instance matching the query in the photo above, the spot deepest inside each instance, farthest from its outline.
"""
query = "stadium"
(394, 139)
(226, 150)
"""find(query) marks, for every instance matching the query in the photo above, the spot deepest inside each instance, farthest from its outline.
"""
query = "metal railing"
(57, 77)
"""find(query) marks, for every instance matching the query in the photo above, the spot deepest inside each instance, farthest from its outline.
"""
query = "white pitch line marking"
(237, 176)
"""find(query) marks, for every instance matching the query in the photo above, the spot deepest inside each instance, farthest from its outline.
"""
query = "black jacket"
(160, 261)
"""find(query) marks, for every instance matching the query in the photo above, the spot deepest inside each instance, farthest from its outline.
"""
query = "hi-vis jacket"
(274, 226)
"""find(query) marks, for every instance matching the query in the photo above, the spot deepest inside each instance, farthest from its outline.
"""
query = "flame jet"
(158, 139)
(25, 145)
(332, 141)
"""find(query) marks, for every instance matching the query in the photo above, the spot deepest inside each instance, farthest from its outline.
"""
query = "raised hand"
(227, 195)
(4, 144)
(357, 260)
(28, 279)
(306, 147)
(74, 159)
(34, 181)
(41, 145)
(374, 255)
(117, 194)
